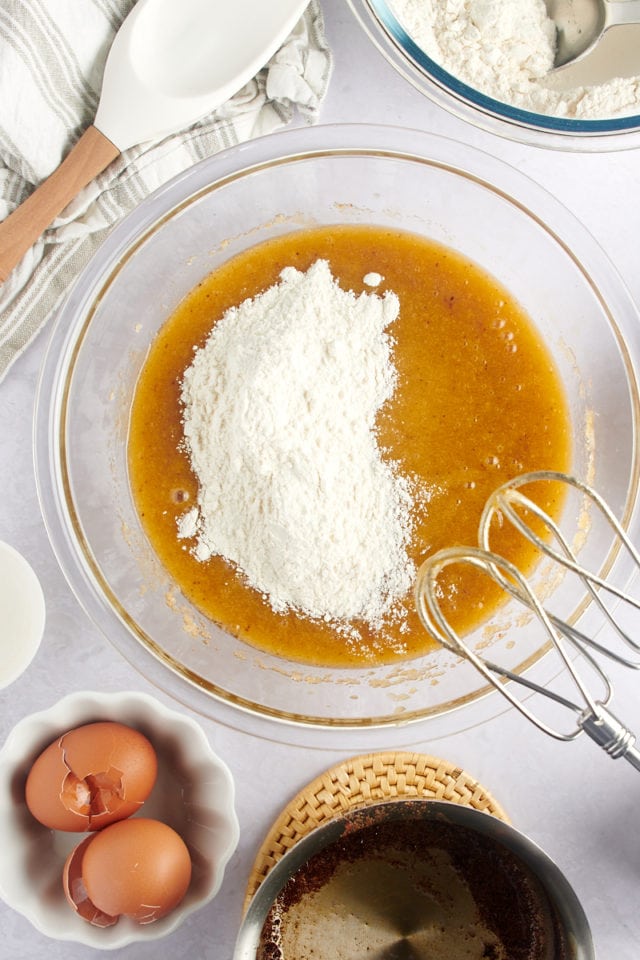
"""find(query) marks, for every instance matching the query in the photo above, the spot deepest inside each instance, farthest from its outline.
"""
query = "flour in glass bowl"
(505, 49)
(280, 406)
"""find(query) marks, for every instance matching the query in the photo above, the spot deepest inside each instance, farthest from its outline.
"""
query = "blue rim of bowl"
(468, 96)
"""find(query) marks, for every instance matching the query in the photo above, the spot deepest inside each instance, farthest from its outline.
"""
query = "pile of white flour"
(280, 407)
(505, 49)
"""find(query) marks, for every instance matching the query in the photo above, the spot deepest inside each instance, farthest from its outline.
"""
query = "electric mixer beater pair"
(512, 503)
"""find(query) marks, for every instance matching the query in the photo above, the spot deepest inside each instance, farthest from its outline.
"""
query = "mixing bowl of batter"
(492, 64)
(293, 373)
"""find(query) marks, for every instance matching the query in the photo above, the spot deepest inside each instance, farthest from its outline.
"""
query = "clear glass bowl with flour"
(490, 62)
(261, 191)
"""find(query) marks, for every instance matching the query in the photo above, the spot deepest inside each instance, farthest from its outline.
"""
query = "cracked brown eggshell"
(91, 777)
(139, 868)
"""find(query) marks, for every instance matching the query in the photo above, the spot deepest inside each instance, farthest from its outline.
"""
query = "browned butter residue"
(478, 401)
(424, 889)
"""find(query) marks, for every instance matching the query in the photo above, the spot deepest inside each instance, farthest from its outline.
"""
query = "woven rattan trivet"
(357, 782)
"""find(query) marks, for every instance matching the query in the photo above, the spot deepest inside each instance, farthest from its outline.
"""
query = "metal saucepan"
(415, 879)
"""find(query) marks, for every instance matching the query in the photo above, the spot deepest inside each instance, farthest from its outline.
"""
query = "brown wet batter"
(478, 401)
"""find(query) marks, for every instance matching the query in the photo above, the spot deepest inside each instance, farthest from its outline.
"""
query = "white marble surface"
(579, 805)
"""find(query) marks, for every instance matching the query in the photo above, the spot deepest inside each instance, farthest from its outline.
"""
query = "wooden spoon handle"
(91, 154)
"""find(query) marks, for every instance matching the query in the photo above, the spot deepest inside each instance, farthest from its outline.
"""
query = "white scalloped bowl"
(194, 794)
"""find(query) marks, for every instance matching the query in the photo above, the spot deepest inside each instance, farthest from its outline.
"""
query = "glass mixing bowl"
(444, 190)
(563, 133)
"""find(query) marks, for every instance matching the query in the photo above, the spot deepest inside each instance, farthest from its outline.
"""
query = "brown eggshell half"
(91, 776)
(140, 868)
(75, 890)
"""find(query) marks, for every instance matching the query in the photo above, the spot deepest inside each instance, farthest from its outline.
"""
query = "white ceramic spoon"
(22, 614)
(171, 62)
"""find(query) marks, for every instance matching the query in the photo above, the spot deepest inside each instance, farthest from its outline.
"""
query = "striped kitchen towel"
(52, 54)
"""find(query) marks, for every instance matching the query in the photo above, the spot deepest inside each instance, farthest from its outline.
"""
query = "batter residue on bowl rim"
(477, 400)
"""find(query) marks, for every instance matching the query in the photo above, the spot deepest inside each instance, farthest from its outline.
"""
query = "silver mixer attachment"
(576, 651)
(509, 503)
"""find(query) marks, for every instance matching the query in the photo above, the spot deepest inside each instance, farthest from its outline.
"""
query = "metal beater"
(510, 504)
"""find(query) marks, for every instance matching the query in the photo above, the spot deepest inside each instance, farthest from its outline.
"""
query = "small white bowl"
(194, 794)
